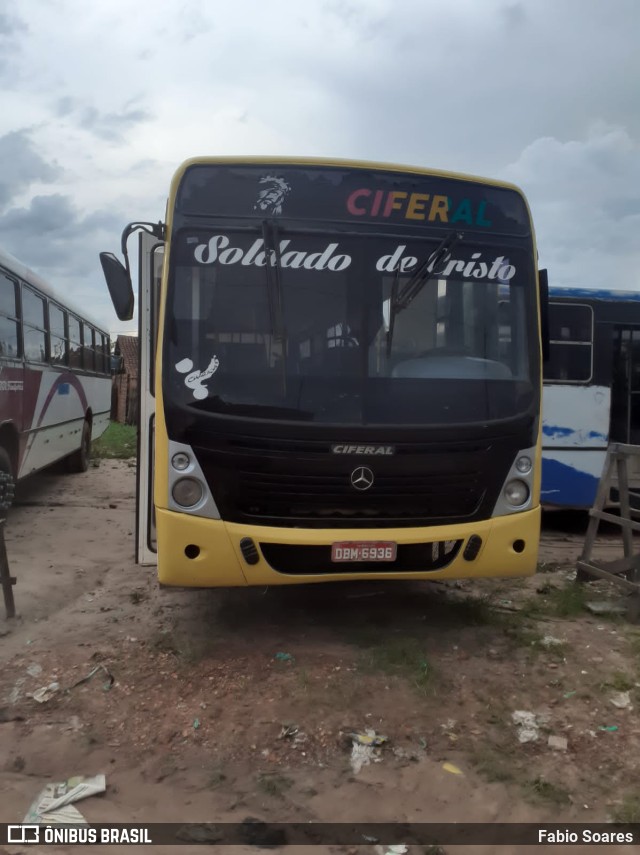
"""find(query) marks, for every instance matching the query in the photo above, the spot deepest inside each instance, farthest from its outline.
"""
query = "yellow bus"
(341, 374)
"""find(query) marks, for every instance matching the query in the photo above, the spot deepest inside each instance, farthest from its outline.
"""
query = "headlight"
(180, 461)
(187, 492)
(523, 465)
(516, 493)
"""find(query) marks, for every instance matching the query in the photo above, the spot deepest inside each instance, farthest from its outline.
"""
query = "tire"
(6, 466)
(5, 462)
(79, 460)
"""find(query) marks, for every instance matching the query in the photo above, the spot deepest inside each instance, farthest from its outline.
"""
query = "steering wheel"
(350, 340)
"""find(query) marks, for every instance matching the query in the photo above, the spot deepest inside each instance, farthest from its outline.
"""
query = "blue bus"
(591, 392)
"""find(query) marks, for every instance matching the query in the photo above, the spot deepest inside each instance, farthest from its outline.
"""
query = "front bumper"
(204, 553)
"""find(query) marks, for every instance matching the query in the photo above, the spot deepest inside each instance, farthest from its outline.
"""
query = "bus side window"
(9, 324)
(88, 347)
(57, 336)
(571, 343)
(34, 327)
(106, 355)
(75, 343)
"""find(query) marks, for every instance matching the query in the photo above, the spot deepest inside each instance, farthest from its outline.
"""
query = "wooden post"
(623, 572)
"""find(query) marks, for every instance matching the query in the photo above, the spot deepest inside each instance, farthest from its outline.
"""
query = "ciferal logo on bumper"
(375, 450)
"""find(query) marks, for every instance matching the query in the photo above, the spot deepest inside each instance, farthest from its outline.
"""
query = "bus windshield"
(340, 326)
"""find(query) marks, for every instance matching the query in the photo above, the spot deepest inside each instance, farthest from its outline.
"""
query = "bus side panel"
(570, 478)
(575, 435)
(55, 415)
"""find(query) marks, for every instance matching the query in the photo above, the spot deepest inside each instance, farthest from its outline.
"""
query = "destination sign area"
(350, 195)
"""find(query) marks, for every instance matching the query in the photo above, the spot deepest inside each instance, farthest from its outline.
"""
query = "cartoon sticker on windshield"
(271, 198)
(195, 379)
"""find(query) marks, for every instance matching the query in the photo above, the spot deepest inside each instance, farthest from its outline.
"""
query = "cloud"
(515, 15)
(21, 165)
(585, 200)
(111, 127)
(61, 243)
(535, 89)
(11, 27)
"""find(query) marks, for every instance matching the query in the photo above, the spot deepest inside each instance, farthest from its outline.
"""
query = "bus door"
(625, 401)
(625, 386)
(150, 257)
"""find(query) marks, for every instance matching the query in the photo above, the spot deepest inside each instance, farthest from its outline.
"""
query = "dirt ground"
(233, 704)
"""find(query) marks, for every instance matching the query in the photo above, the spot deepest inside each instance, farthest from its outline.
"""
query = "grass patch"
(492, 765)
(522, 633)
(118, 442)
(569, 601)
(634, 644)
(274, 785)
(473, 611)
(619, 682)
(304, 681)
(400, 655)
(629, 810)
(566, 601)
(539, 789)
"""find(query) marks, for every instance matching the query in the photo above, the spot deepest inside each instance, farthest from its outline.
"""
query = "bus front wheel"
(79, 460)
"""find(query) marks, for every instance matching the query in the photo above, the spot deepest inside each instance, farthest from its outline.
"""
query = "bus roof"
(602, 294)
(13, 265)
(342, 163)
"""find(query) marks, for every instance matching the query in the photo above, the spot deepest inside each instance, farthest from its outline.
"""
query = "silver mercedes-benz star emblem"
(362, 478)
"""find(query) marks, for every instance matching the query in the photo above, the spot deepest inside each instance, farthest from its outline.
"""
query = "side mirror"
(119, 285)
(543, 289)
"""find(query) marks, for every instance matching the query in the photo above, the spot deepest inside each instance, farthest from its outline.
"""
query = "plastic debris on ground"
(410, 754)
(14, 695)
(397, 849)
(365, 749)
(34, 670)
(453, 769)
(606, 607)
(293, 733)
(551, 641)
(284, 657)
(559, 743)
(107, 683)
(609, 728)
(45, 693)
(569, 694)
(288, 730)
(528, 724)
(54, 805)
(622, 700)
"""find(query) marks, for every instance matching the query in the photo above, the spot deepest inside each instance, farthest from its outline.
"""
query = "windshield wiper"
(274, 291)
(274, 286)
(401, 298)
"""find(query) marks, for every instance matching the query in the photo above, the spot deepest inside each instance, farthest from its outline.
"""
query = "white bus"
(55, 381)
(591, 391)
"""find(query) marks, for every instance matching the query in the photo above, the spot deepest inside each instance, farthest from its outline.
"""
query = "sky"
(100, 102)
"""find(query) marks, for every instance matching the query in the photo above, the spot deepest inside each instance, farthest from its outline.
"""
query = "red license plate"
(366, 550)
